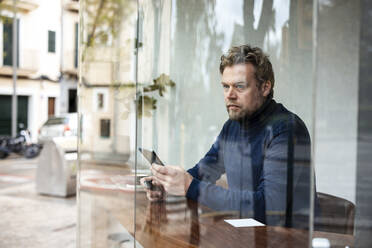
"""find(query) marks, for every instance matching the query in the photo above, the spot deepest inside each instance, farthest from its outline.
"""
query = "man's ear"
(266, 88)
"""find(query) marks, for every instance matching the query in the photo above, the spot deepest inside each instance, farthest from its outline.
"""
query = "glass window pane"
(343, 123)
(107, 123)
(246, 164)
(224, 123)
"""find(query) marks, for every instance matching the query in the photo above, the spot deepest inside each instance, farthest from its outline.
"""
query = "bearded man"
(263, 148)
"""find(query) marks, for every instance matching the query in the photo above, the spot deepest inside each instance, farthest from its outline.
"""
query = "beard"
(238, 114)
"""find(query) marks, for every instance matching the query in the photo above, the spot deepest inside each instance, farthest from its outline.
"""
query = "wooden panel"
(51, 106)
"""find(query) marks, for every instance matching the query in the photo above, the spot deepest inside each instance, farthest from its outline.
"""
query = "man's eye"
(240, 86)
(225, 86)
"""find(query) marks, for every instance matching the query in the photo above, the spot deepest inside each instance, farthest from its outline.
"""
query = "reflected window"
(8, 41)
(51, 41)
(105, 128)
(100, 101)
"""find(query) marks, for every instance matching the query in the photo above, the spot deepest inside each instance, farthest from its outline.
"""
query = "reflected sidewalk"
(29, 219)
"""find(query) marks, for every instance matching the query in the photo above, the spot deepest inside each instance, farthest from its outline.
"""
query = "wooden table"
(178, 222)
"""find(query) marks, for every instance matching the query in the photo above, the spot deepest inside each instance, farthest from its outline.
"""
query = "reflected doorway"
(72, 100)
(51, 106)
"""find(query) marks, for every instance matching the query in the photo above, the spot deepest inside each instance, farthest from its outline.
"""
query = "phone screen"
(150, 156)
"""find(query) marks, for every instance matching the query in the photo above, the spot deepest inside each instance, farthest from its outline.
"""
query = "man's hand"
(174, 179)
(156, 194)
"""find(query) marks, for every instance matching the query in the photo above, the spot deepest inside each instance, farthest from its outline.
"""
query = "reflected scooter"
(21, 144)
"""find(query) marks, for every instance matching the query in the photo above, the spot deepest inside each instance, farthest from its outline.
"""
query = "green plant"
(145, 103)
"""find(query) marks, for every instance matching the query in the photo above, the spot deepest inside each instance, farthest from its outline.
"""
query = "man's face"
(242, 96)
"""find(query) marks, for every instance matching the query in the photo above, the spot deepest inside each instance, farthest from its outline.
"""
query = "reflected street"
(28, 219)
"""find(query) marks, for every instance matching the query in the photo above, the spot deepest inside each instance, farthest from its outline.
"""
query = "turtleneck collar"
(259, 116)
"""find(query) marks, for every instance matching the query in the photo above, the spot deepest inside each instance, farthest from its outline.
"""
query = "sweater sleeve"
(208, 169)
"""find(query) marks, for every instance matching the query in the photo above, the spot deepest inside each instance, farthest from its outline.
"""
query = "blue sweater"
(266, 159)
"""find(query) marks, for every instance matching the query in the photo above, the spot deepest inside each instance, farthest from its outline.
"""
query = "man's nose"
(231, 94)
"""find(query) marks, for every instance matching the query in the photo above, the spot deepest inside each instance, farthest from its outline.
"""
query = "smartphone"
(150, 156)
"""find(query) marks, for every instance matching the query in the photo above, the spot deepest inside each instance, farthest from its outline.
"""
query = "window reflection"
(161, 91)
(105, 128)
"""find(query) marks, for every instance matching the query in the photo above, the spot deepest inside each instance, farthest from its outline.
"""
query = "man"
(263, 148)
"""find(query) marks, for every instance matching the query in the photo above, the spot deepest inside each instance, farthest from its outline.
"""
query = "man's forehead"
(241, 67)
(238, 69)
(238, 72)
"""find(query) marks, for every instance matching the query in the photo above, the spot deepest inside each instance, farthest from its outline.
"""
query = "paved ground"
(27, 218)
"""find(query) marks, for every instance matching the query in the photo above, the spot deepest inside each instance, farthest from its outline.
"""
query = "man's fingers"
(161, 180)
(166, 186)
(159, 168)
(156, 182)
(166, 183)
(172, 178)
(166, 170)
(142, 180)
(159, 176)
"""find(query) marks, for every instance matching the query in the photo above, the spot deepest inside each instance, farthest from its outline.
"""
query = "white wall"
(69, 21)
(34, 32)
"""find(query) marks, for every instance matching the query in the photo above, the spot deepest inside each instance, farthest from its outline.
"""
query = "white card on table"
(244, 222)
